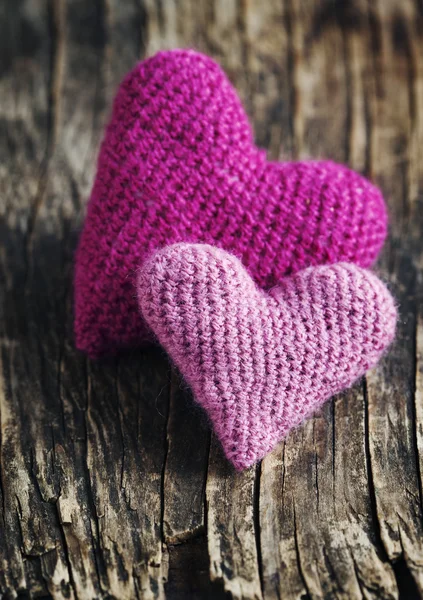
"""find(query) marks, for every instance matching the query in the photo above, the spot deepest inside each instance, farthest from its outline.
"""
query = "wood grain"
(111, 485)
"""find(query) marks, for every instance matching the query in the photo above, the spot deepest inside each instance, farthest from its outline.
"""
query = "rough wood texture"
(110, 484)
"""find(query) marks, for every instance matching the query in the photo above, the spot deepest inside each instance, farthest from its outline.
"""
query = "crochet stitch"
(259, 362)
(178, 163)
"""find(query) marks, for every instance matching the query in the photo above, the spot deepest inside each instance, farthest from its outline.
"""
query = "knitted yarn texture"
(259, 362)
(178, 163)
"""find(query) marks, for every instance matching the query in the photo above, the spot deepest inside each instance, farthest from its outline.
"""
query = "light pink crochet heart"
(259, 362)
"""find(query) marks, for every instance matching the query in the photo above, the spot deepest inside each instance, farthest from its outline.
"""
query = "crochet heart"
(259, 362)
(178, 163)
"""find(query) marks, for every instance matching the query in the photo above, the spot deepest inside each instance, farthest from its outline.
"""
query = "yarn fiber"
(178, 163)
(259, 363)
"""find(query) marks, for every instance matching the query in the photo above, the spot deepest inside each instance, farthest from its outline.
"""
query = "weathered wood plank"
(125, 414)
(323, 517)
(392, 422)
(231, 527)
(30, 534)
(104, 467)
(188, 435)
(89, 503)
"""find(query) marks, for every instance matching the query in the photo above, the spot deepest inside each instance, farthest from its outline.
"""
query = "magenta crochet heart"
(259, 362)
(178, 163)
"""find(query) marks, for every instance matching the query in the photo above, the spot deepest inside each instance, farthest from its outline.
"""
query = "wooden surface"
(110, 483)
